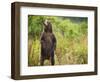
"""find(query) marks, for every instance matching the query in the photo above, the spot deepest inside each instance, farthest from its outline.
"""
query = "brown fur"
(48, 44)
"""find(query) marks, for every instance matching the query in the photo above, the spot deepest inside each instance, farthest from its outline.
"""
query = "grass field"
(71, 34)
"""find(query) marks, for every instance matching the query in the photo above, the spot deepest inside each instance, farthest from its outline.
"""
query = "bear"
(48, 43)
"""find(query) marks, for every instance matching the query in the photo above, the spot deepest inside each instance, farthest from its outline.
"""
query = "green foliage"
(34, 53)
(71, 35)
(35, 25)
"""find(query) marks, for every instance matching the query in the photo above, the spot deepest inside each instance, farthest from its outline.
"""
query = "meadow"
(71, 34)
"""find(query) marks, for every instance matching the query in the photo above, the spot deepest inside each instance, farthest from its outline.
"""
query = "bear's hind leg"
(52, 58)
(42, 61)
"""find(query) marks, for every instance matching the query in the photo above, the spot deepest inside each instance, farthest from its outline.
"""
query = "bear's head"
(47, 26)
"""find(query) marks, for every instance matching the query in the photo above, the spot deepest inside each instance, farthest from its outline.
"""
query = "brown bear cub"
(48, 43)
